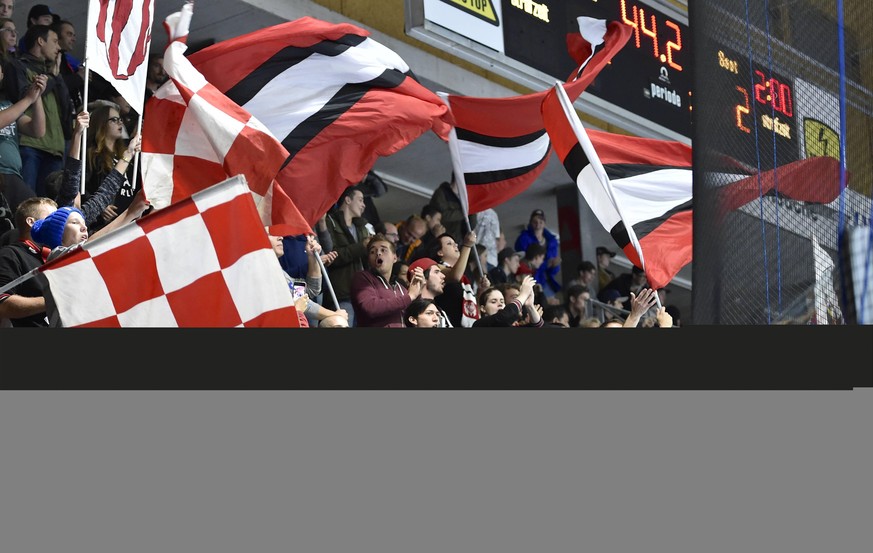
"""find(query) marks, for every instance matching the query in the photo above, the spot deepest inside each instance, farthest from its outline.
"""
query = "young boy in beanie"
(65, 226)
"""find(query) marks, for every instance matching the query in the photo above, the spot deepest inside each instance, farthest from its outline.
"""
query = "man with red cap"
(434, 284)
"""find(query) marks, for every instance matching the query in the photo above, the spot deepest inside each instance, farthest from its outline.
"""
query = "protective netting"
(783, 142)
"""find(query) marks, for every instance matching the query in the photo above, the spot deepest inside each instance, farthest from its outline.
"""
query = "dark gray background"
(445, 471)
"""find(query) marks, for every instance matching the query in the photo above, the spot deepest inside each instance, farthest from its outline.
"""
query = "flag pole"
(326, 280)
(458, 173)
(599, 171)
(84, 143)
(23, 278)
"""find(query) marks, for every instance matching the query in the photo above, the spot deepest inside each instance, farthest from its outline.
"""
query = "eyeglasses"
(8, 30)
(114, 120)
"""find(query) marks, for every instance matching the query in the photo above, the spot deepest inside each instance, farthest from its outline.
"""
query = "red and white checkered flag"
(202, 262)
(194, 136)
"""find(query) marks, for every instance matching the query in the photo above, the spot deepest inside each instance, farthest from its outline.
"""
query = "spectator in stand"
(378, 301)
(400, 271)
(8, 38)
(24, 304)
(556, 316)
(422, 313)
(534, 257)
(641, 304)
(458, 300)
(296, 259)
(156, 75)
(41, 55)
(66, 184)
(495, 311)
(434, 285)
(474, 262)
(612, 304)
(107, 151)
(508, 261)
(446, 198)
(488, 231)
(578, 297)
(309, 311)
(63, 230)
(604, 274)
(411, 230)
(432, 217)
(586, 275)
(70, 68)
(626, 283)
(511, 290)
(24, 117)
(349, 233)
(39, 14)
(589, 322)
(6, 8)
(389, 230)
(546, 273)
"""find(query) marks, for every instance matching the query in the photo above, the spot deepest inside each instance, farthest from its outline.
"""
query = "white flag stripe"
(481, 157)
(303, 89)
(652, 195)
(597, 183)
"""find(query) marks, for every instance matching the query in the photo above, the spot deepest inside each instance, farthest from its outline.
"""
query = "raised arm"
(32, 124)
(639, 306)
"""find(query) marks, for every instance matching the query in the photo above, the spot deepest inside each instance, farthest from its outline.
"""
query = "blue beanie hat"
(50, 231)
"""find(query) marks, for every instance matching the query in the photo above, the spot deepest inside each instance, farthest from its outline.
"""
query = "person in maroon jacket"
(378, 299)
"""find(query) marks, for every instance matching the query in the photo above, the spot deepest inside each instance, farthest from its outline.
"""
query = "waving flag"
(183, 266)
(501, 145)
(335, 98)
(641, 192)
(117, 45)
(194, 136)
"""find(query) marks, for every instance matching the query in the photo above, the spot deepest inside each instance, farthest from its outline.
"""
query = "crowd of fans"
(437, 268)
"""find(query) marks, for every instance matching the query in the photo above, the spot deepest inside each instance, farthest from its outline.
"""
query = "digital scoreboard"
(755, 117)
(650, 77)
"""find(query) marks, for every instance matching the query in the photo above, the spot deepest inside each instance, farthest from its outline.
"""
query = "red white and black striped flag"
(500, 145)
(334, 97)
(640, 189)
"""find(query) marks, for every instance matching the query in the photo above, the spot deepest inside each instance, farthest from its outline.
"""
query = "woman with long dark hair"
(108, 150)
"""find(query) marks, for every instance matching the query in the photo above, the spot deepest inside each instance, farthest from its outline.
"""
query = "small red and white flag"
(194, 136)
(117, 45)
(202, 262)
(641, 193)
(499, 146)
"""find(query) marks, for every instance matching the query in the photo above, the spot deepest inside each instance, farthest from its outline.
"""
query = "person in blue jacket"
(536, 232)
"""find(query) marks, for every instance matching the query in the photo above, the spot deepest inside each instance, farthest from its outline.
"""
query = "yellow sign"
(483, 9)
(820, 140)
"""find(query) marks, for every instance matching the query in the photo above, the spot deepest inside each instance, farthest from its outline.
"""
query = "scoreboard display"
(755, 117)
(650, 77)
